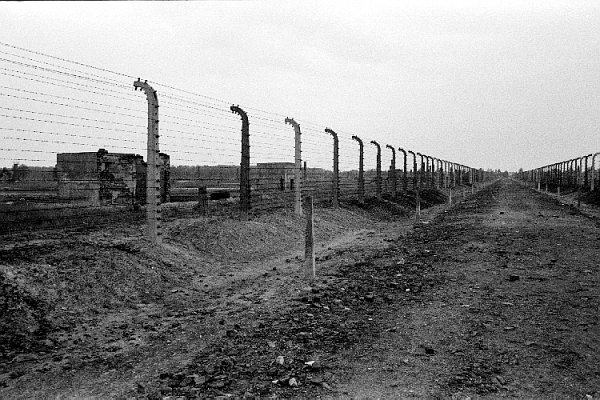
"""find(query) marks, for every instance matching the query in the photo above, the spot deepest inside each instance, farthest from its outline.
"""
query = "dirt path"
(497, 297)
(517, 315)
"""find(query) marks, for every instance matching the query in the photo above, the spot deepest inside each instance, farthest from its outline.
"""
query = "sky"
(490, 84)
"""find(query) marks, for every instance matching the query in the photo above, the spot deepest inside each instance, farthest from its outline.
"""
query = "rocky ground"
(496, 297)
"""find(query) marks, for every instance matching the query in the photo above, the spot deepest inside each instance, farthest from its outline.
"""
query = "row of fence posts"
(455, 173)
(574, 173)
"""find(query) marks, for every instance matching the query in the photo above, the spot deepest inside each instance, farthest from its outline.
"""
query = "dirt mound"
(264, 236)
(56, 282)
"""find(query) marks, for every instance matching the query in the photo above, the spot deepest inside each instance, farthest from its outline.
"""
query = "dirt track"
(517, 315)
(498, 297)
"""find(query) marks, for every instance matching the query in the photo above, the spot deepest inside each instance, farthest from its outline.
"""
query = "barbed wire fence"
(74, 138)
(581, 173)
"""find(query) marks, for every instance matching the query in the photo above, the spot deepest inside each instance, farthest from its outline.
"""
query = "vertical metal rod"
(297, 165)
(152, 170)
(245, 164)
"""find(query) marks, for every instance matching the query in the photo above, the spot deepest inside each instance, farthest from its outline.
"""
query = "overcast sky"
(492, 84)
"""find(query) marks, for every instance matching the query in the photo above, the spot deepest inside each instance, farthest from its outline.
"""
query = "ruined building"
(107, 178)
(273, 175)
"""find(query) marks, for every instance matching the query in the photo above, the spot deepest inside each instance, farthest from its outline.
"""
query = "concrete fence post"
(297, 166)
(557, 175)
(392, 173)
(414, 169)
(434, 171)
(471, 179)
(378, 170)
(579, 180)
(593, 182)
(586, 181)
(336, 164)
(309, 247)
(405, 178)
(421, 171)
(575, 172)
(153, 214)
(245, 202)
(361, 177)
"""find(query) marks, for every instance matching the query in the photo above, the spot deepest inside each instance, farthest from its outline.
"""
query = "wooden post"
(202, 200)
(309, 248)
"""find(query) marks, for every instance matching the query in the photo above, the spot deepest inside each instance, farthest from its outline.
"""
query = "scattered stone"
(293, 382)
(280, 360)
(513, 278)
(315, 365)
(271, 344)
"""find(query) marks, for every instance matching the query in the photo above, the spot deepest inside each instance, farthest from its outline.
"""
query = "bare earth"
(497, 297)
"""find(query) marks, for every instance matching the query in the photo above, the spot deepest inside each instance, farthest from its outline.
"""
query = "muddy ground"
(496, 297)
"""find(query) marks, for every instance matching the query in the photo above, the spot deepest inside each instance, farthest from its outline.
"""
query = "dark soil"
(496, 297)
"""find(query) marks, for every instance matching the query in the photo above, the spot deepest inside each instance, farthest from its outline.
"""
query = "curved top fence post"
(361, 171)
(405, 181)
(592, 187)
(297, 166)
(378, 170)
(152, 171)
(336, 163)
(415, 181)
(421, 170)
(393, 170)
(244, 164)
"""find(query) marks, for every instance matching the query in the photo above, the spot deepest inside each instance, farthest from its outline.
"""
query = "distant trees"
(19, 172)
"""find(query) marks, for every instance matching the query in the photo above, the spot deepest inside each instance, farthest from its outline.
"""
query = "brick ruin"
(101, 178)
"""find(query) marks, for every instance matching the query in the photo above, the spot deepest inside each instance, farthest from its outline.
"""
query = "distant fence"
(78, 141)
(579, 173)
